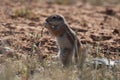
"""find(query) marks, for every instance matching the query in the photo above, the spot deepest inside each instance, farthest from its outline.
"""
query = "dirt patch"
(98, 26)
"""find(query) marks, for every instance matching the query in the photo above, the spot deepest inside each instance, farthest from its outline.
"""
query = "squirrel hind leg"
(65, 57)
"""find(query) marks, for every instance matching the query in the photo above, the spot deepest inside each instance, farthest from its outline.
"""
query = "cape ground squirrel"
(68, 43)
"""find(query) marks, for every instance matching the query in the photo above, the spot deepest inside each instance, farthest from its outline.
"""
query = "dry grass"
(31, 68)
(24, 12)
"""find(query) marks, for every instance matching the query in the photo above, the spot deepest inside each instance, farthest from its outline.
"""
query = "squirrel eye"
(53, 17)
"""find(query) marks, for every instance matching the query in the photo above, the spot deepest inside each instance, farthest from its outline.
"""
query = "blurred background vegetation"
(93, 2)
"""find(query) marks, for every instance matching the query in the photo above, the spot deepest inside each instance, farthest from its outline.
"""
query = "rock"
(116, 31)
(4, 50)
(7, 51)
(109, 12)
(104, 62)
(100, 38)
(32, 24)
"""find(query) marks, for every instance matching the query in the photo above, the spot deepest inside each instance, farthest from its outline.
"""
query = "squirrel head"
(55, 24)
(55, 20)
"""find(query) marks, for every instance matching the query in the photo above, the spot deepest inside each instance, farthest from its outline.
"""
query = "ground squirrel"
(68, 43)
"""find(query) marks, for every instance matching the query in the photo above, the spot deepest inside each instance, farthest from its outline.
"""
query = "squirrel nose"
(45, 24)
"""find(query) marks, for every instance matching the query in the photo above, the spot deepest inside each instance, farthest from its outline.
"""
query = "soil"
(21, 25)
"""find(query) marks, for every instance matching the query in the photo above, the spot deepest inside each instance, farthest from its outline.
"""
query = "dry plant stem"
(42, 32)
(81, 59)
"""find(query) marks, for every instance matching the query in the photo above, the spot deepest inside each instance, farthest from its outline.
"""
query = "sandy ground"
(98, 26)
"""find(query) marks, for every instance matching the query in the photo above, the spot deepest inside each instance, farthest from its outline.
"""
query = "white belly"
(63, 42)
